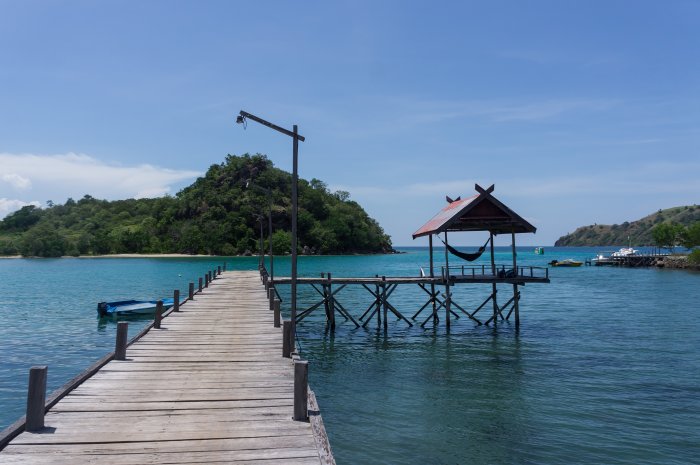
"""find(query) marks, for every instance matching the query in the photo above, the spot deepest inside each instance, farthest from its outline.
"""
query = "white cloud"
(16, 181)
(61, 176)
(82, 174)
(9, 205)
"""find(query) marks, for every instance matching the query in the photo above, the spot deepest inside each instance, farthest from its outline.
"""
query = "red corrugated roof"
(444, 216)
(481, 212)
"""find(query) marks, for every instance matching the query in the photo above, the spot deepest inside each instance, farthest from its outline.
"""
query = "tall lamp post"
(267, 192)
(262, 249)
(296, 137)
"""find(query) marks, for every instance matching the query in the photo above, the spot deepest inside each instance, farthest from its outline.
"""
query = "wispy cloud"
(399, 114)
(647, 179)
(16, 181)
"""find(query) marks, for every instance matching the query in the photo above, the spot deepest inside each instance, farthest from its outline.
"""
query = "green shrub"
(694, 257)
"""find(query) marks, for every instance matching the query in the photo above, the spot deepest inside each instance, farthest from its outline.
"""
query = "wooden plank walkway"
(211, 386)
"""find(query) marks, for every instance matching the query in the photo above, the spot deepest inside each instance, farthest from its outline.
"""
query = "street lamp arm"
(247, 115)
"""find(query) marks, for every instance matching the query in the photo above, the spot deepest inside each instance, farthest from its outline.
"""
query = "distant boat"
(625, 252)
(131, 307)
(566, 263)
(539, 250)
(602, 260)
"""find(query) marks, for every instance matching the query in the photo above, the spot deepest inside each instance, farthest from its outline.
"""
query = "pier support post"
(191, 291)
(200, 284)
(276, 308)
(176, 300)
(494, 289)
(206, 280)
(516, 297)
(36, 398)
(271, 296)
(378, 303)
(301, 387)
(446, 277)
(286, 339)
(218, 270)
(331, 303)
(384, 302)
(120, 342)
(159, 314)
(266, 285)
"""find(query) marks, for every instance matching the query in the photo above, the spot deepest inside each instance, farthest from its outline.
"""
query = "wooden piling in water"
(120, 340)
(384, 303)
(176, 300)
(36, 398)
(200, 284)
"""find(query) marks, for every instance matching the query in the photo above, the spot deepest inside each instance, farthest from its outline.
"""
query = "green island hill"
(638, 233)
(216, 215)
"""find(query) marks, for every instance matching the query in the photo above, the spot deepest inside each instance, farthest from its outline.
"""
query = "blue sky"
(578, 112)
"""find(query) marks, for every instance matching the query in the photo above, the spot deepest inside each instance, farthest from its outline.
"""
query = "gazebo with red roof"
(481, 212)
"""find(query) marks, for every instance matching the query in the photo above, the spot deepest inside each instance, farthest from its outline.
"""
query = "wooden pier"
(211, 385)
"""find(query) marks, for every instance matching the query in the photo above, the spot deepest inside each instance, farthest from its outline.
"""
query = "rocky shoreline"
(677, 262)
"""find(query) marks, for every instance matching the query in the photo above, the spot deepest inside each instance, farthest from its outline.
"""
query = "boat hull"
(131, 307)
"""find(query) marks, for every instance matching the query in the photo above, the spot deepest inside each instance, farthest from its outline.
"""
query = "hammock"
(470, 257)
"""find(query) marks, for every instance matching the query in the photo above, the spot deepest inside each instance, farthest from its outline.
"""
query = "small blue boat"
(131, 307)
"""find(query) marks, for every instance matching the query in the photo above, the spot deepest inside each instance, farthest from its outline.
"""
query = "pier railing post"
(286, 339)
(301, 387)
(120, 342)
(200, 284)
(206, 280)
(271, 296)
(36, 398)
(191, 291)
(276, 309)
(159, 314)
(218, 270)
(176, 300)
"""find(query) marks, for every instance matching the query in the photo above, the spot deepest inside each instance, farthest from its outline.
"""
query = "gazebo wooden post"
(448, 298)
(432, 283)
(493, 285)
(516, 310)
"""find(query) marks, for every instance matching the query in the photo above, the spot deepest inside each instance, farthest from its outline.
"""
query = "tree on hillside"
(668, 235)
(691, 236)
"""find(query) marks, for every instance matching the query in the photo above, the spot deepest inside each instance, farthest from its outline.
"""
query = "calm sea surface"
(605, 367)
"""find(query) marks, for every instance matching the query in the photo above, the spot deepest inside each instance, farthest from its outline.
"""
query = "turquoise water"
(605, 367)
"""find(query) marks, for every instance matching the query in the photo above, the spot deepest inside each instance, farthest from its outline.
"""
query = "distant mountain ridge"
(637, 233)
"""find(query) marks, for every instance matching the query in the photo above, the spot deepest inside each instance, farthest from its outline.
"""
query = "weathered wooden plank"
(209, 386)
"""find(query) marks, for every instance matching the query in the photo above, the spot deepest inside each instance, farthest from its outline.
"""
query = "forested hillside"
(637, 232)
(215, 215)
